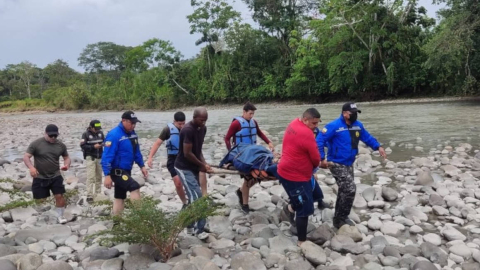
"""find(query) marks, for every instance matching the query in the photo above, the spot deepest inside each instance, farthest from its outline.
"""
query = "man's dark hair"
(249, 107)
(311, 113)
(200, 111)
(179, 117)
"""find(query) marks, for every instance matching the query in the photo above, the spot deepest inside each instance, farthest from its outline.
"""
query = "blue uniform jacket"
(119, 152)
(342, 141)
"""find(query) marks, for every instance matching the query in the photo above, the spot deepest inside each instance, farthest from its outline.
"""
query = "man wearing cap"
(341, 137)
(92, 147)
(120, 152)
(46, 152)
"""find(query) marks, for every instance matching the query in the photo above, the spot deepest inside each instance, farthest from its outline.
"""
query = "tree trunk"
(28, 90)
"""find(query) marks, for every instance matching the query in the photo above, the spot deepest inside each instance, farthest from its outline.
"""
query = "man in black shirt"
(190, 160)
(92, 147)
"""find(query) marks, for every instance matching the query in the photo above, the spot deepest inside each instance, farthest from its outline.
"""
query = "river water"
(436, 123)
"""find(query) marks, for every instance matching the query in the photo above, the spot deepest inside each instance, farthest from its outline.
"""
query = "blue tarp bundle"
(247, 157)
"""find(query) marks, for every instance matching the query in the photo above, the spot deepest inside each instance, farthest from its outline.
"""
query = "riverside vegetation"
(306, 50)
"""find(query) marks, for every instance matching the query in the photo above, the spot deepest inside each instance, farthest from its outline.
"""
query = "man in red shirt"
(300, 157)
(245, 129)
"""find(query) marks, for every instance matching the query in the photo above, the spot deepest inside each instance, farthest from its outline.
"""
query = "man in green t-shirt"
(46, 174)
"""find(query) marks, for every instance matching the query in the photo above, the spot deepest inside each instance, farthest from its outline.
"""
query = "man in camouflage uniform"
(341, 137)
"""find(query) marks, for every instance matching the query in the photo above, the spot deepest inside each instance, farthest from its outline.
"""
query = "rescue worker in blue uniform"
(121, 151)
(171, 134)
(317, 191)
(245, 129)
(341, 137)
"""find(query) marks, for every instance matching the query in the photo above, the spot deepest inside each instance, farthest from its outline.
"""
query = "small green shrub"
(144, 223)
(18, 198)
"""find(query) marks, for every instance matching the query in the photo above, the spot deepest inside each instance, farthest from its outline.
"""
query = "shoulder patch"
(108, 143)
(324, 130)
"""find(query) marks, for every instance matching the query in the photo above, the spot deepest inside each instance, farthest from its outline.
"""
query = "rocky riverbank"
(418, 214)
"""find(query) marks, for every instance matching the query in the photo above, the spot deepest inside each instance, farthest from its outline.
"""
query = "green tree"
(211, 18)
(252, 56)
(282, 18)
(59, 73)
(158, 54)
(103, 57)
(453, 57)
(26, 71)
(371, 45)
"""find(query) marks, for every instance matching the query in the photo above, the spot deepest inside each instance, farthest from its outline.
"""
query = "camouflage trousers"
(346, 189)
(94, 176)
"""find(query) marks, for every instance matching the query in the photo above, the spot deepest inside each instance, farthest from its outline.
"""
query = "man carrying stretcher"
(244, 130)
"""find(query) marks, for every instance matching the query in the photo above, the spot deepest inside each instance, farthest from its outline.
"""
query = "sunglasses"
(53, 136)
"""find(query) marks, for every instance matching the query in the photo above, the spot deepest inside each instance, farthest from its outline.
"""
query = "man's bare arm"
(27, 161)
(187, 151)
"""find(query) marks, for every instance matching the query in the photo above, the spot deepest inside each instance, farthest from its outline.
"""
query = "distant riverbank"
(39, 106)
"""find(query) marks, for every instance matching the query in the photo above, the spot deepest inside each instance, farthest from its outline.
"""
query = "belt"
(119, 172)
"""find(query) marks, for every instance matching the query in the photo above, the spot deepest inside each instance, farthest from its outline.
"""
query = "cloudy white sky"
(42, 31)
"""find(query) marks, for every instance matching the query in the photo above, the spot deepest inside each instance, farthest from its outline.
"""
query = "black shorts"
(41, 187)
(171, 165)
(123, 183)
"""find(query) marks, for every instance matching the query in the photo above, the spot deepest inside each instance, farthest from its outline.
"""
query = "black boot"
(322, 205)
(338, 223)
(290, 215)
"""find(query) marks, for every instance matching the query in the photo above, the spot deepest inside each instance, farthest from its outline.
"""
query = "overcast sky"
(42, 31)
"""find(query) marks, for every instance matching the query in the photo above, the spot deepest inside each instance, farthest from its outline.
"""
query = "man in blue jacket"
(341, 137)
(120, 152)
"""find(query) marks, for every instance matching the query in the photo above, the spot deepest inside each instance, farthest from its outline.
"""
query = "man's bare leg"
(118, 206)
(179, 188)
(59, 200)
(245, 192)
(60, 207)
(135, 195)
(203, 183)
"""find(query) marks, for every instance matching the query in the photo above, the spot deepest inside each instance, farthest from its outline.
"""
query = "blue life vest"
(247, 133)
(173, 143)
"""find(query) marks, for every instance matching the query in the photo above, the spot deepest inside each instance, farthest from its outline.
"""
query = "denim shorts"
(302, 194)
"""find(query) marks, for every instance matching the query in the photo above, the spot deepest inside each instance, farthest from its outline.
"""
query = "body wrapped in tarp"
(247, 157)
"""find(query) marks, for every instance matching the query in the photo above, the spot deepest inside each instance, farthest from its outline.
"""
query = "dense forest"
(306, 50)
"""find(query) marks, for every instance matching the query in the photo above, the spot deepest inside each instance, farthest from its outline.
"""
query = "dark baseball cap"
(95, 124)
(130, 116)
(51, 129)
(350, 107)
